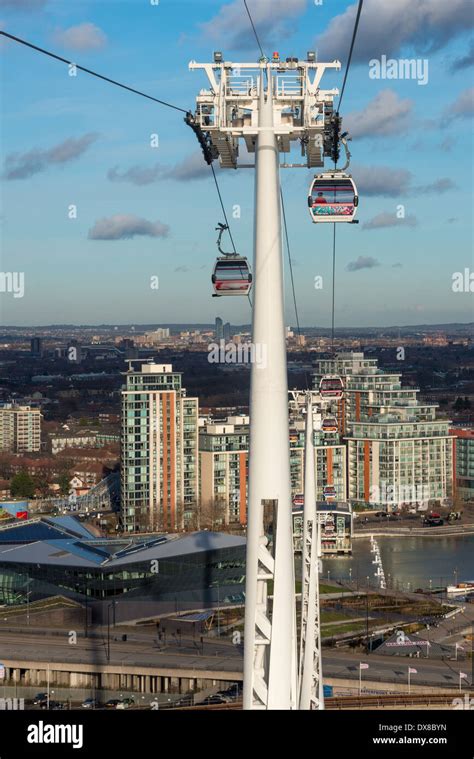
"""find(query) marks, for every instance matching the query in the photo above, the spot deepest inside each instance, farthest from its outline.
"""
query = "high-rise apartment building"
(36, 348)
(20, 429)
(159, 450)
(219, 329)
(464, 463)
(223, 468)
(223, 464)
(399, 452)
(227, 332)
(329, 458)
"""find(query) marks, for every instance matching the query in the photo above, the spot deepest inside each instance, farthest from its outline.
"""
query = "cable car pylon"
(270, 641)
(260, 104)
(311, 695)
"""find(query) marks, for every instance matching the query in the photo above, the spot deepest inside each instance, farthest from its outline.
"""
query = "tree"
(42, 484)
(64, 483)
(22, 485)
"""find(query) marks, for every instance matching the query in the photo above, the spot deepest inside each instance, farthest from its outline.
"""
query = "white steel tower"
(310, 668)
(268, 104)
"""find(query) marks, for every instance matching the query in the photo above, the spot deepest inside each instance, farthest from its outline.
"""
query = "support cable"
(89, 71)
(254, 29)
(49, 54)
(223, 207)
(291, 272)
(351, 49)
(333, 285)
(225, 216)
(354, 35)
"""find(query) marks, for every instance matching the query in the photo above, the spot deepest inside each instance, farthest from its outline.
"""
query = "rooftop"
(64, 541)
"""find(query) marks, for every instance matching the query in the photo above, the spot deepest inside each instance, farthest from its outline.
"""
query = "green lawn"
(326, 632)
(330, 588)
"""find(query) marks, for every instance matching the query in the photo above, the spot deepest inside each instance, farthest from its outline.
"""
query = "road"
(141, 648)
(390, 669)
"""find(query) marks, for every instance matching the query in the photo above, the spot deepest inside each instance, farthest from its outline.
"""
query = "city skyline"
(64, 135)
(259, 503)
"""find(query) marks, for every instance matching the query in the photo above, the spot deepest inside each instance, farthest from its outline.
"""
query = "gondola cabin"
(329, 425)
(333, 197)
(231, 276)
(331, 387)
(329, 492)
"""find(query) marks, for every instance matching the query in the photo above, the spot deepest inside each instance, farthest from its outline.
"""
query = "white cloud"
(126, 226)
(384, 115)
(381, 180)
(458, 64)
(191, 167)
(385, 219)
(84, 36)
(386, 27)
(363, 262)
(273, 19)
(138, 175)
(438, 186)
(463, 106)
(25, 165)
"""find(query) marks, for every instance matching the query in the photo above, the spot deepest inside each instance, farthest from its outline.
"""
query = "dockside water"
(409, 562)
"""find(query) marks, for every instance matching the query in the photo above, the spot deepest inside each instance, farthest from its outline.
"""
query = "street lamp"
(28, 594)
(110, 606)
(367, 615)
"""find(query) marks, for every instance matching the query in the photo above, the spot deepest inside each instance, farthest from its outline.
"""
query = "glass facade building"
(399, 452)
(464, 463)
(43, 558)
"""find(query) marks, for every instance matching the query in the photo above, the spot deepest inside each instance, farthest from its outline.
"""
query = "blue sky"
(63, 136)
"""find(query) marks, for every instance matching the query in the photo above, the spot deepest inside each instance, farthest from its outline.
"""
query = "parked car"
(40, 698)
(125, 703)
(215, 699)
(187, 700)
(433, 521)
(89, 703)
(112, 703)
(225, 696)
